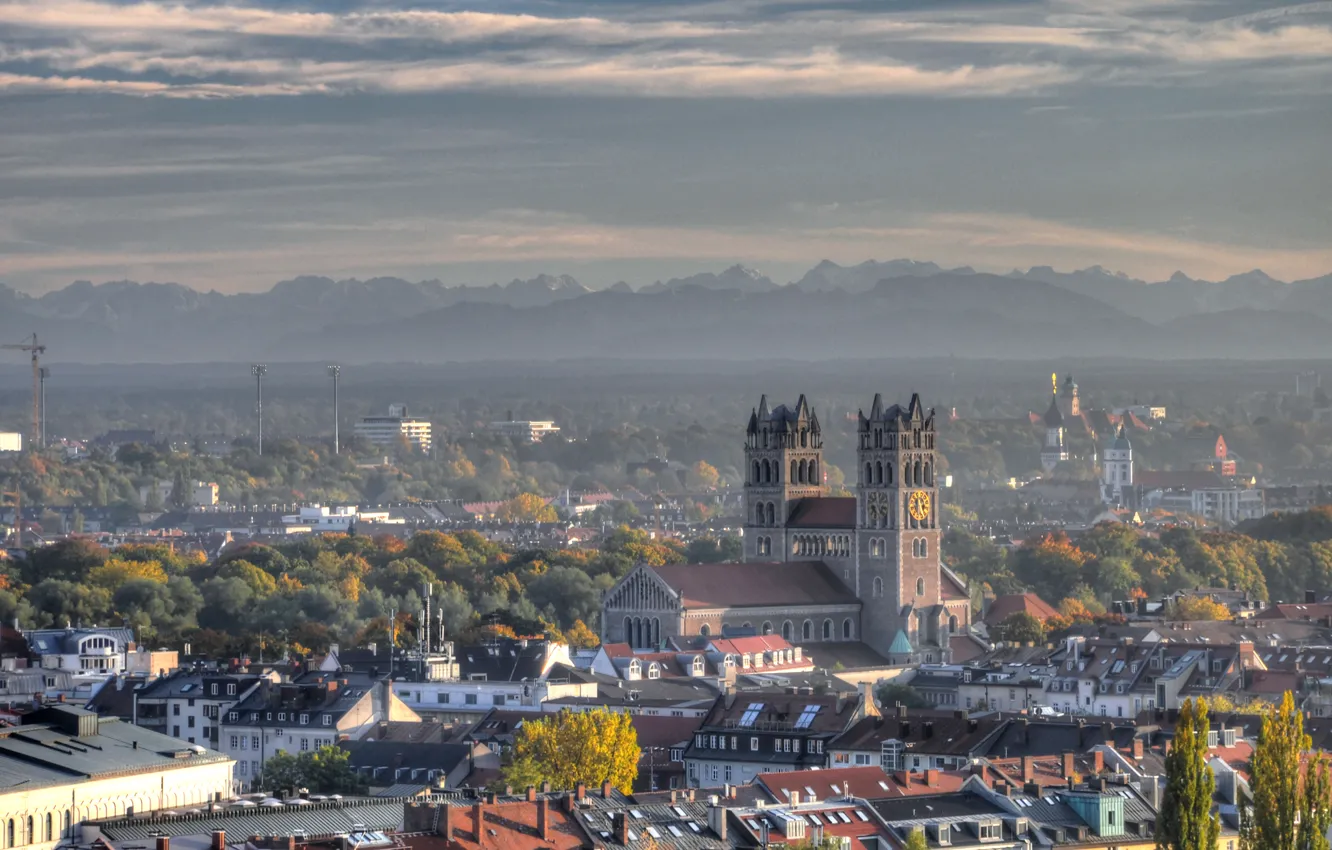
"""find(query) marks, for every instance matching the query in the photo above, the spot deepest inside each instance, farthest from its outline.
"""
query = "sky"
(229, 145)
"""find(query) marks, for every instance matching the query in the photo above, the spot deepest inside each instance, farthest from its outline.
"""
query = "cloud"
(216, 50)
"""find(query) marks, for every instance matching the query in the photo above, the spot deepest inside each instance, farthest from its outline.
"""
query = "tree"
(1185, 820)
(1198, 608)
(890, 693)
(916, 840)
(581, 637)
(326, 770)
(527, 507)
(567, 592)
(572, 747)
(1316, 805)
(1020, 627)
(704, 475)
(1274, 779)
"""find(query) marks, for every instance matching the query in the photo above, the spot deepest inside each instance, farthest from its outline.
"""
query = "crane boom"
(36, 350)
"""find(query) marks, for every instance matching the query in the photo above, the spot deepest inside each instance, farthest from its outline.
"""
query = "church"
(817, 568)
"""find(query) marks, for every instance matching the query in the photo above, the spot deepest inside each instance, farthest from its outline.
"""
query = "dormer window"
(305, 719)
(328, 720)
(654, 671)
(1211, 738)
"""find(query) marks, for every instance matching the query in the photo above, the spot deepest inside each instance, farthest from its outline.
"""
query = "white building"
(1117, 469)
(391, 430)
(321, 518)
(11, 441)
(65, 765)
(95, 652)
(531, 430)
(1054, 452)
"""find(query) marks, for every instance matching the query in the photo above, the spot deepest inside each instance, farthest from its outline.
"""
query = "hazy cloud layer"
(230, 144)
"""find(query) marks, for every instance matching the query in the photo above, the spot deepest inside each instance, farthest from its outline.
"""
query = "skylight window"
(751, 714)
(807, 716)
(679, 812)
(652, 831)
(864, 817)
(675, 830)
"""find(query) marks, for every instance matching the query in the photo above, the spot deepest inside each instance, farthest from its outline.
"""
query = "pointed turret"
(763, 412)
(914, 409)
(1053, 418)
(753, 422)
(1121, 439)
(876, 411)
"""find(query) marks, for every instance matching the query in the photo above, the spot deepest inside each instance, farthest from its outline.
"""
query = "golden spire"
(1054, 382)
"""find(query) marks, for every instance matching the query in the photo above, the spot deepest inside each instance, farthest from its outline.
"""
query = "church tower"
(783, 462)
(1117, 471)
(1055, 451)
(897, 528)
(1069, 404)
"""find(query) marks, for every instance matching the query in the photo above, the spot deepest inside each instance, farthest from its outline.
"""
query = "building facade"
(395, 429)
(818, 567)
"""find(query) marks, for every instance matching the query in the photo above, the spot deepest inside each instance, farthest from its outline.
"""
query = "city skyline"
(229, 147)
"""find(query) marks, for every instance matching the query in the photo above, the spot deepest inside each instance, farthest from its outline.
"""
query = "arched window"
(869, 473)
(924, 547)
(804, 438)
(890, 475)
(788, 631)
(807, 630)
(814, 471)
(878, 472)
(795, 468)
(757, 478)
(804, 472)
(929, 474)
(9, 834)
(758, 514)
(69, 822)
(846, 629)
(952, 625)
(878, 586)
(704, 631)
(27, 833)
(772, 514)
(767, 628)
(628, 631)
(920, 586)
(917, 473)
(827, 629)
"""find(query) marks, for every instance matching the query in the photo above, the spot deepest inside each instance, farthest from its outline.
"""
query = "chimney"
(477, 823)
(1098, 761)
(606, 790)
(675, 797)
(1138, 749)
(1002, 788)
(446, 822)
(1031, 789)
(621, 825)
(543, 819)
(1028, 768)
(580, 792)
(795, 798)
(932, 776)
(219, 840)
(163, 842)
(867, 703)
(717, 821)
(1068, 765)
(531, 793)
(904, 778)
(545, 787)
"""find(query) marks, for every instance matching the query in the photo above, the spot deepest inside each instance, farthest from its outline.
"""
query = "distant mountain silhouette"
(895, 309)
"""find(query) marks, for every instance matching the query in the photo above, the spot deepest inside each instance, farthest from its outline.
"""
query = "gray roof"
(66, 641)
(47, 750)
(682, 825)
(317, 818)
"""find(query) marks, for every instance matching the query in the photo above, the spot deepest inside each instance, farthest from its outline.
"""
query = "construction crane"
(36, 350)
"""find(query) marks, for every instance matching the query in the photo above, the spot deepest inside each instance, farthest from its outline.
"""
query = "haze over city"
(230, 146)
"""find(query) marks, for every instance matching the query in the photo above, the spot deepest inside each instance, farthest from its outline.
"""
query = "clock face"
(919, 505)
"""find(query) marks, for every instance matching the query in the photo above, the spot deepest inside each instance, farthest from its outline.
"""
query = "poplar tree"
(1185, 821)
(1271, 823)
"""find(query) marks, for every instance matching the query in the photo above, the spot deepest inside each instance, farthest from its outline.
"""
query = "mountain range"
(899, 308)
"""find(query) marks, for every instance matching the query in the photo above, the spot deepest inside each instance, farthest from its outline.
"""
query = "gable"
(642, 590)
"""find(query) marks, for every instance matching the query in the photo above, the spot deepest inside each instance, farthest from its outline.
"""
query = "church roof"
(1053, 418)
(752, 585)
(897, 414)
(783, 416)
(823, 512)
(901, 646)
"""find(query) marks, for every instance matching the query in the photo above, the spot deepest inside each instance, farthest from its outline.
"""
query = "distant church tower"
(897, 531)
(783, 462)
(1055, 450)
(1117, 471)
(1069, 405)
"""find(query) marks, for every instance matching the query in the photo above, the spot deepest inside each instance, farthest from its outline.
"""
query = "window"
(328, 720)
(305, 744)
(175, 709)
(244, 768)
(175, 731)
(469, 699)
(753, 745)
(231, 716)
(846, 629)
(807, 630)
(231, 690)
(254, 742)
(212, 689)
(189, 721)
(728, 773)
(827, 629)
(920, 586)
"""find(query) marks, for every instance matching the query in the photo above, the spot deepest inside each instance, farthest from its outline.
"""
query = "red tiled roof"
(840, 821)
(659, 731)
(1005, 606)
(1297, 611)
(823, 512)
(508, 826)
(758, 643)
(868, 783)
(965, 648)
(1273, 683)
(750, 585)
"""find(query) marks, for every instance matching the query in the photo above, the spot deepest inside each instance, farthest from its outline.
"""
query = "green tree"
(890, 693)
(1020, 627)
(1316, 805)
(572, 747)
(1185, 821)
(1274, 779)
(916, 840)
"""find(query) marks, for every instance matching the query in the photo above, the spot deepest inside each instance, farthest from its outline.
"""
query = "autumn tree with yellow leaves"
(565, 749)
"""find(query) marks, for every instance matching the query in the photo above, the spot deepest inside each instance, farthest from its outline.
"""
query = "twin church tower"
(882, 543)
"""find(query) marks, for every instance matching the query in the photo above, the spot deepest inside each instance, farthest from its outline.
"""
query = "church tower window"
(920, 586)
